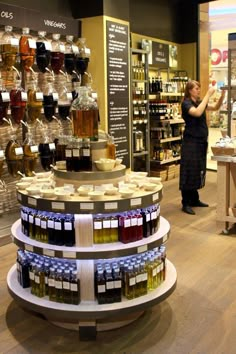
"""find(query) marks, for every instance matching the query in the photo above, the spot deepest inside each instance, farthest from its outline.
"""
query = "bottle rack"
(88, 316)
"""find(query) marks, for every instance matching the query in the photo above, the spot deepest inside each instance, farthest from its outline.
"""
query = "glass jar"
(71, 50)
(30, 150)
(43, 52)
(14, 155)
(27, 48)
(4, 102)
(9, 47)
(82, 58)
(18, 99)
(57, 54)
(85, 115)
(35, 101)
(50, 99)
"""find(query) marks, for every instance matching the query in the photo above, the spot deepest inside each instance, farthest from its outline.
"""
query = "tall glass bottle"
(82, 58)
(57, 54)
(50, 98)
(27, 48)
(46, 151)
(14, 155)
(43, 51)
(9, 47)
(64, 102)
(70, 50)
(4, 102)
(30, 154)
(18, 99)
(85, 116)
(35, 101)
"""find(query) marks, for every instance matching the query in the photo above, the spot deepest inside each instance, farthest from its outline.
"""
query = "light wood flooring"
(199, 317)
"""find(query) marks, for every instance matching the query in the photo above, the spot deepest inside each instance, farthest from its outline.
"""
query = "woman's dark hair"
(189, 86)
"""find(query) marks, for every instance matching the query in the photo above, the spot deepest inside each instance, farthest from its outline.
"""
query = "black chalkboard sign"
(160, 55)
(118, 98)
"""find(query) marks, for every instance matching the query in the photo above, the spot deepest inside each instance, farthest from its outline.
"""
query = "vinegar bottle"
(57, 54)
(50, 98)
(4, 102)
(30, 155)
(35, 102)
(18, 98)
(27, 48)
(43, 52)
(85, 115)
(70, 50)
(14, 156)
(111, 148)
(9, 47)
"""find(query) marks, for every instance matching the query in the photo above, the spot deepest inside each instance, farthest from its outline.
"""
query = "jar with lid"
(27, 48)
(43, 52)
(85, 115)
(30, 150)
(57, 54)
(9, 47)
(82, 58)
(71, 49)
(35, 101)
(18, 99)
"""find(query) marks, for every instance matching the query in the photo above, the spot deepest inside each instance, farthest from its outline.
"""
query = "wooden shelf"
(174, 159)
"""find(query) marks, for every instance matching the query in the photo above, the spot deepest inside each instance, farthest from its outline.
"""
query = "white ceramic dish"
(34, 190)
(118, 161)
(28, 179)
(156, 180)
(22, 185)
(131, 186)
(61, 194)
(111, 191)
(40, 175)
(149, 186)
(105, 164)
(47, 193)
(126, 193)
(83, 191)
(96, 195)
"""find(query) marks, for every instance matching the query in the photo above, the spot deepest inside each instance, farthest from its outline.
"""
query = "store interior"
(60, 296)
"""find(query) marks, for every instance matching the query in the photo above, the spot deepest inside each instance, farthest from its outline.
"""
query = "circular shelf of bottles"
(96, 175)
(89, 309)
(84, 205)
(97, 251)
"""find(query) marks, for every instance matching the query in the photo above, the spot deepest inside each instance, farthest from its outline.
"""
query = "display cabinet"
(139, 111)
(89, 316)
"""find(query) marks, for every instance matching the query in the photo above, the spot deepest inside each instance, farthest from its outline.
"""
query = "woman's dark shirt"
(196, 128)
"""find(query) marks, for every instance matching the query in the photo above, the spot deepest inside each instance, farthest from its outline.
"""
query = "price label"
(58, 206)
(155, 197)
(49, 253)
(62, 48)
(136, 201)
(19, 197)
(142, 249)
(75, 49)
(32, 43)
(52, 146)
(48, 45)
(32, 201)
(55, 96)
(5, 96)
(29, 248)
(18, 151)
(111, 206)
(1, 153)
(24, 96)
(34, 148)
(87, 51)
(69, 96)
(87, 206)
(68, 254)
(14, 42)
(39, 96)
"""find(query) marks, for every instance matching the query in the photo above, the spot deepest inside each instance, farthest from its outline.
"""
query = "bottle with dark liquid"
(50, 98)
(4, 102)
(75, 288)
(43, 51)
(66, 287)
(85, 156)
(9, 47)
(70, 50)
(18, 99)
(69, 230)
(27, 48)
(46, 151)
(82, 58)
(64, 102)
(57, 54)
(84, 115)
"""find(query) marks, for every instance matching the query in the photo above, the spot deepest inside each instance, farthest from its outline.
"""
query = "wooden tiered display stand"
(89, 317)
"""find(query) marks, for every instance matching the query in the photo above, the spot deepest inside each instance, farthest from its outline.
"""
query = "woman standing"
(194, 145)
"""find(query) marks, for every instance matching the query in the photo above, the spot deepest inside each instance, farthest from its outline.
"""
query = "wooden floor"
(199, 317)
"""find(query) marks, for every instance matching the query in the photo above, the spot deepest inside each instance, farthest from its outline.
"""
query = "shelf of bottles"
(44, 87)
(140, 110)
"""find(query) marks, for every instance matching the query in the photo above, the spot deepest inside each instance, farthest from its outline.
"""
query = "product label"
(106, 224)
(39, 96)
(50, 224)
(24, 96)
(74, 287)
(111, 206)
(62, 48)
(155, 197)
(97, 225)
(114, 224)
(136, 201)
(139, 278)
(1, 153)
(55, 96)
(48, 45)
(148, 217)
(31, 275)
(36, 279)
(43, 224)
(31, 219)
(101, 289)
(37, 221)
(5, 96)
(68, 153)
(68, 226)
(32, 43)
(134, 221)
(57, 225)
(14, 42)
(66, 285)
(52, 146)
(76, 153)
(132, 281)
(51, 282)
(117, 284)
(34, 148)
(75, 49)
(69, 96)
(18, 151)
(140, 221)
(58, 284)
(109, 285)
(127, 223)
